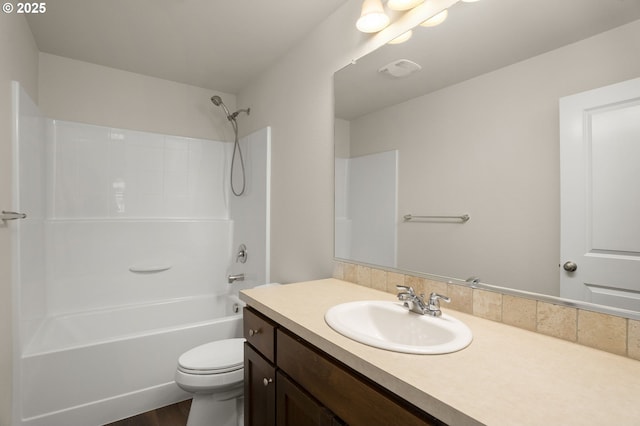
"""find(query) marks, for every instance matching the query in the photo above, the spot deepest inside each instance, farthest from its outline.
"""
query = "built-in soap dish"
(149, 269)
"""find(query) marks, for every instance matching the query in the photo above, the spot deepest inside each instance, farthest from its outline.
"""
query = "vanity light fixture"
(436, 19)
(372, 17)
(403, 4)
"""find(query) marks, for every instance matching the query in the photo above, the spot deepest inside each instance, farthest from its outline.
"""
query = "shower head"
(217, 101)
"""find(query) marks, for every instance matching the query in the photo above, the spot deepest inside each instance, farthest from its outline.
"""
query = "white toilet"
(214, 374)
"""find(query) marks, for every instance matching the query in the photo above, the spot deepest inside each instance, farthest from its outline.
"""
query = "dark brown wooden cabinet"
(259, 389)
(295, 407)
(296, 384)
(259, 370)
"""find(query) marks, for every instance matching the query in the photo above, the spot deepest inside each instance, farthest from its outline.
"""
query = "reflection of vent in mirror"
(400, 68)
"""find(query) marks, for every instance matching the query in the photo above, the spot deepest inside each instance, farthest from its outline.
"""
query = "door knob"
(570, 266)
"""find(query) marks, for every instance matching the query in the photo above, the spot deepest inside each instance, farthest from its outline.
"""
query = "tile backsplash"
(606, 332)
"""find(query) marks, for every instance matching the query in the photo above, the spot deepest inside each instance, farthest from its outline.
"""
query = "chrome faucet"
(233, 278)
(411, 300)
(415, 303)
(434, 304)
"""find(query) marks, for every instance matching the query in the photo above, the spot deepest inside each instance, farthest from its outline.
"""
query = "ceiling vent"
(400, 68)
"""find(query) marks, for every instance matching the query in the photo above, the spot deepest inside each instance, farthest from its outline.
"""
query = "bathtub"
(96, 367)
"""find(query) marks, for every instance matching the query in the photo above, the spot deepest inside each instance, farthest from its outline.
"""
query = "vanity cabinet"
(259, 370)
(293, 383)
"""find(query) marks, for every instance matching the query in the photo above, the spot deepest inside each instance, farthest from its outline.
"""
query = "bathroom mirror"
(475, 131)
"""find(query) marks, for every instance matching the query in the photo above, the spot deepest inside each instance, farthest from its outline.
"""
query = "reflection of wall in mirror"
(489, 147)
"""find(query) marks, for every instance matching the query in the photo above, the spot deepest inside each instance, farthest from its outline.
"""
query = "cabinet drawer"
(353, 398)
(260, 333)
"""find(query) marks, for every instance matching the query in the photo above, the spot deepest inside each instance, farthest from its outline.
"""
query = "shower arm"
(235, 114)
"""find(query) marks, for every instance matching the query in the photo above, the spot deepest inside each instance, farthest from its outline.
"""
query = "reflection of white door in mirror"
(600, 193)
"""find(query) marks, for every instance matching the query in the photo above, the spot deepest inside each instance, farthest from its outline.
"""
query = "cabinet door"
(259, 389)
(353, 398)
(295, 407)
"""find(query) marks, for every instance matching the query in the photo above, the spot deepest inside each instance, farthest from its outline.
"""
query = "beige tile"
(338, 270)
(519, 312)
(379, 279)
(350, 272)
(609, 333)
(557, 321)
(487, 304)
(634, 339)
(416, 283)
(394, 279)
(364, 275)
(461, 298)
(602, 331)
(439, 287)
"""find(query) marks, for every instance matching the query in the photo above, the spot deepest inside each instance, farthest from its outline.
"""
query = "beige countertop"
(507, 376)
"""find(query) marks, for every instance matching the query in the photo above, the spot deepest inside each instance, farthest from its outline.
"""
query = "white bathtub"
(96, 367)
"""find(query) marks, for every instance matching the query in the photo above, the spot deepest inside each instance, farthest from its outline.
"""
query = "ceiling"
(476, 38)
(216, 44)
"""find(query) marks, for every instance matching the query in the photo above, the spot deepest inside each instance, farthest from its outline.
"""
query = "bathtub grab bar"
(5, 215)
(464, 218)
(148, 269)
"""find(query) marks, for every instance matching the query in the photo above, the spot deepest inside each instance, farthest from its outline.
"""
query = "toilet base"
(208, 410)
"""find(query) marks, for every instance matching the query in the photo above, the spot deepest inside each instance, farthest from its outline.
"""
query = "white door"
(600, 195)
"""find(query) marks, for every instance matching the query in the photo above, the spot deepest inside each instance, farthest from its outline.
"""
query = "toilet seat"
(217, 357)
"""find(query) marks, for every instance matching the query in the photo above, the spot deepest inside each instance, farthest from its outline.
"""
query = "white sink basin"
(390, 326)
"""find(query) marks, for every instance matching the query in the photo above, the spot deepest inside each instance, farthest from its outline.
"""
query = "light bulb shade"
(436, 19)
(372, 18)
(402, 37)
(403, 4)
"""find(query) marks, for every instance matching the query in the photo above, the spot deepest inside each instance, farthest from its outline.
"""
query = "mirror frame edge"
(538, 297)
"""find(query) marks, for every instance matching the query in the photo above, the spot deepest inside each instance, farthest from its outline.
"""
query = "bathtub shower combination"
(121, 263)
(95, 367)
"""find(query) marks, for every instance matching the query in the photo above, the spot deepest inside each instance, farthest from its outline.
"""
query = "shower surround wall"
(364, 185)
(123, 221)
(122, 201)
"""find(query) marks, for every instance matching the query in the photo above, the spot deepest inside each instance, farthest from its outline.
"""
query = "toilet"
(214, 374)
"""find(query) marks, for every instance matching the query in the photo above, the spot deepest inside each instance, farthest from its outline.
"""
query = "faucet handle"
(434, 304)
(434, 299)
(406, 288)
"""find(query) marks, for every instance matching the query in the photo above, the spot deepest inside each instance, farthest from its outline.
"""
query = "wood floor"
(172, 415)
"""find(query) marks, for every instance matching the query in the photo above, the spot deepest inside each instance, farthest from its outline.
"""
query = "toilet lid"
(215, 357)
